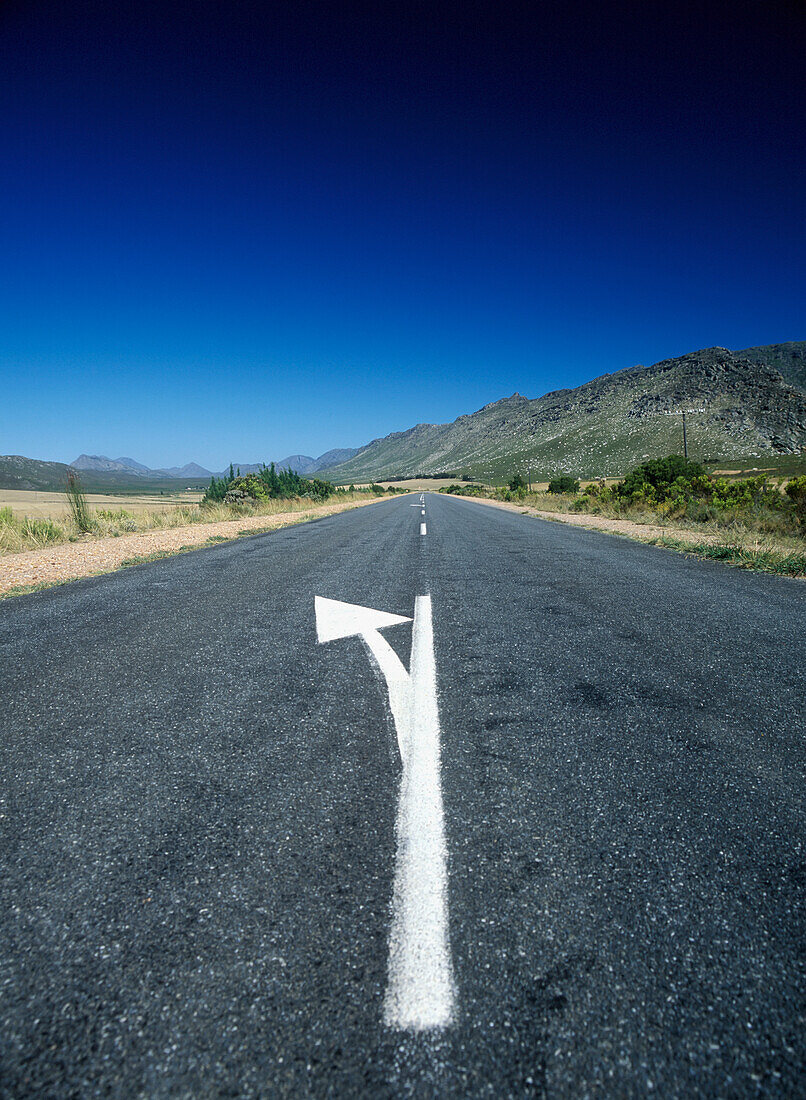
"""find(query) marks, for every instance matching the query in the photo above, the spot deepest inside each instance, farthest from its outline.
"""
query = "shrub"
(40, 532)
(517, 482)
(662, 478)
(77, 501)
(796, 491)
(320, 490)
(563, 484)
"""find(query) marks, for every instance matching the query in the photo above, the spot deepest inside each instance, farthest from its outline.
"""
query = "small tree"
(659, 475)
(796, 491)
(517, 482)
(564, 484)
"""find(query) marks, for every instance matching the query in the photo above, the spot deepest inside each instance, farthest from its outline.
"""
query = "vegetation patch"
(753, 522)
(26, 589)
(228, 498)
(786, 563)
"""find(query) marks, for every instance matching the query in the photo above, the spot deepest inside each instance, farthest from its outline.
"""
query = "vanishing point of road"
(428, 798)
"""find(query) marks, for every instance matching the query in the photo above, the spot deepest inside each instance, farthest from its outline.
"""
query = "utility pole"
(685, 443)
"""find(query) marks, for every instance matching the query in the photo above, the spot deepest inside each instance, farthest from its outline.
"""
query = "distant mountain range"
(301, 464)
(102, 464)
(739, 405)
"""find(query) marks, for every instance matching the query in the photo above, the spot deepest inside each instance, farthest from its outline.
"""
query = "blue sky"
(240, 231)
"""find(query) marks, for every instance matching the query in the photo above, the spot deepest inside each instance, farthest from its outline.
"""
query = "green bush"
(517, 482)
(250, 486)
(40, 531)
(796, 491)
(564, 484)
(664, 478)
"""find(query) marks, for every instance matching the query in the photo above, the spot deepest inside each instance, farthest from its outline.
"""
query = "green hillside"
(742, 408)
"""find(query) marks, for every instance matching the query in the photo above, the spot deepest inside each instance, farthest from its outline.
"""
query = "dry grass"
(19, 533)
(37, 568)
(26, 502)
(729, 541)
(420, 483)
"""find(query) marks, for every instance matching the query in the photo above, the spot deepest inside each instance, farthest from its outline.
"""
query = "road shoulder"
(32, 570)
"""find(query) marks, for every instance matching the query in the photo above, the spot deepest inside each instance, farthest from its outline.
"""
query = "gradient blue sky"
(238, 230)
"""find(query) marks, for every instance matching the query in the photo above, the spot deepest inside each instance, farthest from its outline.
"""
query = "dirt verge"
(68, 561)
(643, 532)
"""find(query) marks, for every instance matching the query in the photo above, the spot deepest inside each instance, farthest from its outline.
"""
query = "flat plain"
(26, 502)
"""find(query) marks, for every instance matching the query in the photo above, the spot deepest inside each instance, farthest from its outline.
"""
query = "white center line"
(420, 993)
(422, 528)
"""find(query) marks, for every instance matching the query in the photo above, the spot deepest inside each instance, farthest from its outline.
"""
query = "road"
(204, 819)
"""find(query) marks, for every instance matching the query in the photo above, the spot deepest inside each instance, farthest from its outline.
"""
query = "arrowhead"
(335, 619)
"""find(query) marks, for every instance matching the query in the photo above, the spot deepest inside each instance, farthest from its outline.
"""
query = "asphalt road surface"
(204, 825)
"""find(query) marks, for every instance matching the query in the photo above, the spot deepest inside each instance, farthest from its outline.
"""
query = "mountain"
(17, 472)
(744, 408)
(789, 359)
(335, 457)
(300, 464)
(189, 470)
(102, 464)
(130, 464)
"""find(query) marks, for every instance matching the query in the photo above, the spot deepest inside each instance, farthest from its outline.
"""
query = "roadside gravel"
(644, 532)
(71, 560)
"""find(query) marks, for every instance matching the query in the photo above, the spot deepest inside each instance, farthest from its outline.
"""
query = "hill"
(744, 407)
(301, 464)
(17, 472)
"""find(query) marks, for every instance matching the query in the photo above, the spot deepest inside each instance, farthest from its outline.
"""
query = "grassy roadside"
(98, 548)
(19, 534)
(743, 542)
(761, 558)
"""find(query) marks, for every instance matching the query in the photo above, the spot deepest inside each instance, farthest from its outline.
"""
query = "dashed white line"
(422, 529)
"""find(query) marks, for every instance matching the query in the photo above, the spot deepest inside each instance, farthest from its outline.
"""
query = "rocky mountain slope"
(18, 472)
(740, 406)
(789, 359)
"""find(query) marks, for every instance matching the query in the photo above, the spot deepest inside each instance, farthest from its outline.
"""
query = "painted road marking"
(420, 993)
(423, 512)
(422, 528)
(335, 619)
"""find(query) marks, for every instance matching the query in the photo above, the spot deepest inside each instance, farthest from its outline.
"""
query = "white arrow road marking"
(422, 529)
(420, 993)
(335, 619)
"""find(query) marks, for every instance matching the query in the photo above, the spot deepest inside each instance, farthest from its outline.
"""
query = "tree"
(564, 484)
(660, 474)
